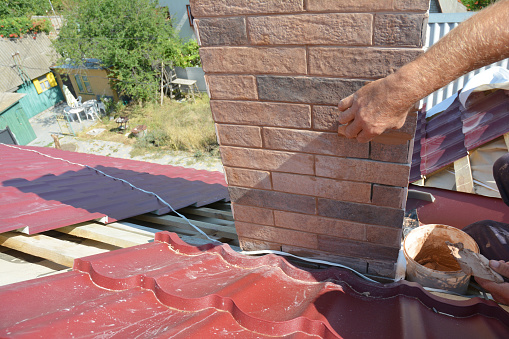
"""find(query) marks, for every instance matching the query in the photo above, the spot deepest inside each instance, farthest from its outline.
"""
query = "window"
(190, 16)
(45, 82)
(83, 84)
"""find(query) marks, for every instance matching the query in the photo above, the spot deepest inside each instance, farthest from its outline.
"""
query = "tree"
(128, 37)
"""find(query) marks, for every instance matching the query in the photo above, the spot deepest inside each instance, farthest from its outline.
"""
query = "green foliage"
(23, 8)
(188, 55)
(476, 5)
(128, 36)
(16, 27)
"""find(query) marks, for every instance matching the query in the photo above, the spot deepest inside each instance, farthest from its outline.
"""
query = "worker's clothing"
(501, 175)
(492, 236)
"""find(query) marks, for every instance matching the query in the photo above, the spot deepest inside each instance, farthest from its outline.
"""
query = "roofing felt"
(36, 56)
(448, 136)
(170, 289)
(39, 193)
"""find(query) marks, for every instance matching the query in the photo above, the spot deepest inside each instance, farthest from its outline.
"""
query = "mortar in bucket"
(429, 260)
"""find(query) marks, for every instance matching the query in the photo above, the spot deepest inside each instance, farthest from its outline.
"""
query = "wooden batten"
(463, 174)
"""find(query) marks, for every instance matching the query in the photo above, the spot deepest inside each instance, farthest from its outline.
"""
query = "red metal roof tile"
(448, 136)
(44, 193)
(170, 289)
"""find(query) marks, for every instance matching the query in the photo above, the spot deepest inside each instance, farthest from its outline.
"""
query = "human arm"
(384, 104)
(500, 292)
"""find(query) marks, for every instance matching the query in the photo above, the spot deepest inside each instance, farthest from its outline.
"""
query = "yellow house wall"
(98, 79)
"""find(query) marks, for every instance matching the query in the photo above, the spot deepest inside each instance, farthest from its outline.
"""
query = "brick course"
(351, 248)
(262, 113)
(349, 5)
(358, 62)
(399, 30)
(320, 225)
(389, 196)
(204, 8)
(253, 215)
(411, 5)
(360, 213)
(322, 187)
(277, 235)
(223, 31)
(322, 91)
(235, 135)
(299, 163)
(260, 60)
(313, 142)
(273, 200)
(248, 178)
(241, 87)
(363, 170)
(312, 29)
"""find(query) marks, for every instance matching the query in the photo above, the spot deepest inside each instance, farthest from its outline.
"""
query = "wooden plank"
(463, 174)
(419, 182)
(106, 234)
(208, 212)
(60, 251)
(208, 228)
(506, 139)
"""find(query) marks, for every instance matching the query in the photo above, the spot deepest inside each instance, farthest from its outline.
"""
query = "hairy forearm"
(479, 41)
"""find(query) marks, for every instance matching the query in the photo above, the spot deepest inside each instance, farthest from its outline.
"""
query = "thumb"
(501, 267)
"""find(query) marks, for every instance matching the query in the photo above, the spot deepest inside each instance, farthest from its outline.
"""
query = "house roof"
(90, 63)
(170, 289)
(36, 56)
(39, 193)
(448, 136)
(9, 99)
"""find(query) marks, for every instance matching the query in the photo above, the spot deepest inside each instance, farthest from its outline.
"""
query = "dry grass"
(177, 126)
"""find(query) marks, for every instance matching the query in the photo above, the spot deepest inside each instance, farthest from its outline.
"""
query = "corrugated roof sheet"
(448, 136)
(90, 63)
(170, 289)
(36, 55)
(42, 193)
(9, 99)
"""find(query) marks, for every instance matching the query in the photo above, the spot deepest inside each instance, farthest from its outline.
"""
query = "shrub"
(476, 5)
(188, 55)
(17, 27)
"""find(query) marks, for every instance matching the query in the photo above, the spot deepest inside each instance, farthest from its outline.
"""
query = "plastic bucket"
(429, 260)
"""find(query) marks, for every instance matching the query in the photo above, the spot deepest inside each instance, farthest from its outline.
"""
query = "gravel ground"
(45, 124)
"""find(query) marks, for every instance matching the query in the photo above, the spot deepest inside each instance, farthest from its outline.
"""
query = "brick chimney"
(276, 70)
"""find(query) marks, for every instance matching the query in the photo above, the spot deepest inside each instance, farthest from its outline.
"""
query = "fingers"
(499, 292)
(353, 129)
(345, 103)
(346, 116)
(364, 136)
(341, 129)
(500, 267)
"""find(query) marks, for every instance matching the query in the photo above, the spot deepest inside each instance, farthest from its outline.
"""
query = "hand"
(373, 109)
(500, 292)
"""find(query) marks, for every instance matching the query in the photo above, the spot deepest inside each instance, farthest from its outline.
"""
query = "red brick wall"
(276, 70)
